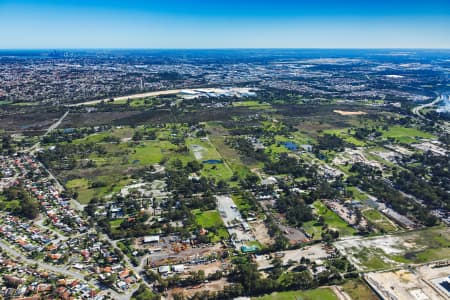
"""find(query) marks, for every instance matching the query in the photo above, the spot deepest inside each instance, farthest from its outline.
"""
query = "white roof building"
(151, 239)
(178, 268)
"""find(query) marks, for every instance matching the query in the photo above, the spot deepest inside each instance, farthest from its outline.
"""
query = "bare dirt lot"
(207, 268)
(397, 250)
(261, 234)
(349, 113)
(410, 284)
(213, 286)
(313, 253)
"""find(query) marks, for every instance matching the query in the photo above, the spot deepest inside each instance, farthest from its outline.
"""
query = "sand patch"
(349, 113)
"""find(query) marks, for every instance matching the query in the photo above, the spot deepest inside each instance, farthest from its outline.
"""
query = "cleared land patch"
(349, 113)
(333, 220)
(396, 250)
(322, 294)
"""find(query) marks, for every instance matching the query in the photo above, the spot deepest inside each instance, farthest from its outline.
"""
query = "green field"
(313, 229)
(333, 220)
(8, 205)
(406, 135)
(256, 104)
(379, 220)
(122, 156)
(316, 294)
(204, 150)
(211, 221)
(240, 202)
(346, 136)
(86, 193)
(233, 159)
(358, 290)
(357, 194)
(207, 219)
(151, 152)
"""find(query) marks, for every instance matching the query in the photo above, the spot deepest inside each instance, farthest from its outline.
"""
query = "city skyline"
(224, 24)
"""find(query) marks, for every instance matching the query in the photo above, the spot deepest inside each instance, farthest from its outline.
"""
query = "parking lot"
(233, 221)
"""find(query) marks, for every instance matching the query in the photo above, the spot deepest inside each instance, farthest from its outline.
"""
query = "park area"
(103, 172)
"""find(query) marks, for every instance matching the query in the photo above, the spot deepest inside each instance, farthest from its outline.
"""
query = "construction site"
(425, 282)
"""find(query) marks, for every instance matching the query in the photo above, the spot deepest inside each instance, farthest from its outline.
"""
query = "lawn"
(406, 135)
(240, 202)
(316, 294)
(115, 225)
(211, 220)
(208, 219)
(333, 220)
(313, 229)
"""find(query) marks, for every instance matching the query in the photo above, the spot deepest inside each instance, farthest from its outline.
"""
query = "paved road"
(60, 270)
(416, 110)
(55, 269)
(52, 127)
(56, 124)
(35, 147)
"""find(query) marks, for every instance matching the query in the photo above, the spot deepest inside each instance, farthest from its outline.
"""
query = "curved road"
(416, 110)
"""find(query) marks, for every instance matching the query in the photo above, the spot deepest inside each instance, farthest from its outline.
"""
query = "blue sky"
(224, 24)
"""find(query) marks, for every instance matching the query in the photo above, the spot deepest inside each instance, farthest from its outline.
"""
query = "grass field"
(122, 156)
(151, 152)
(346, 136)
(86, 193)
(333, 220)
(232, 157)
(240, 202)
(357, 194)
(256, 104)
(211, 219)
(313, 229)
(5, 102)
(379, 220)
(204, 150)
(207, 219)
(115, 225)
(316, 294)
(406, 135)
(358, 290)
(8, 205)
